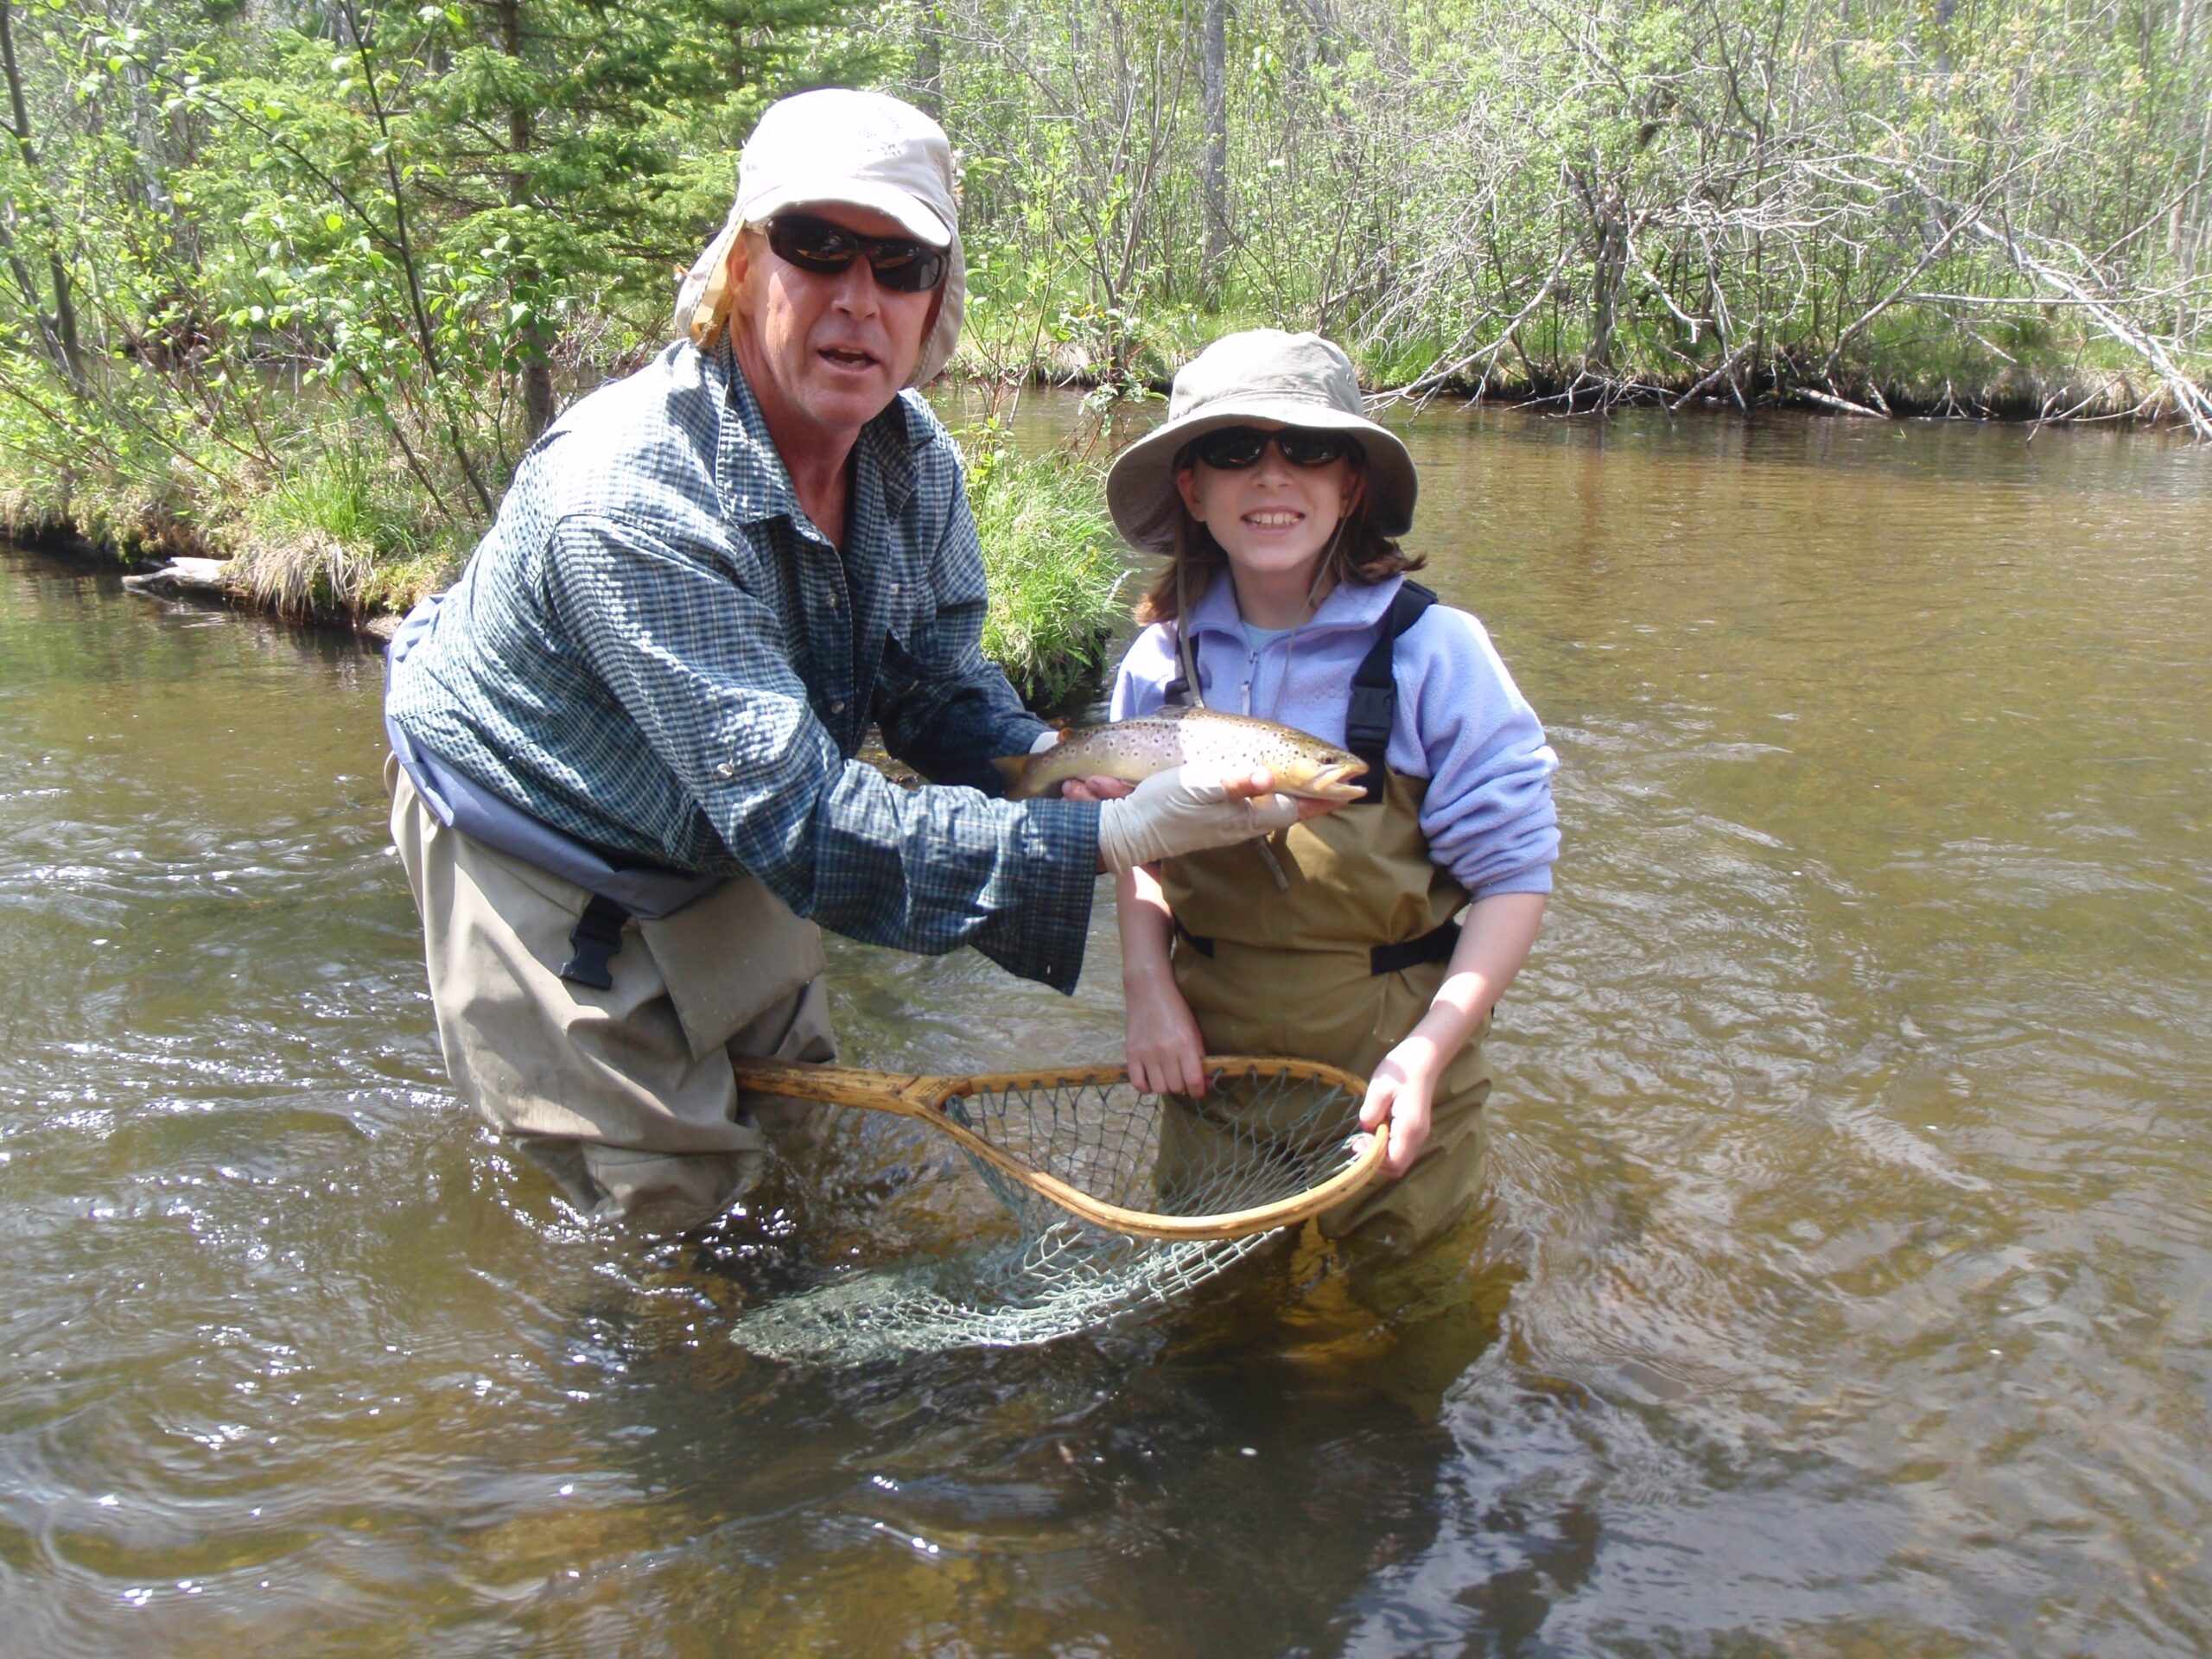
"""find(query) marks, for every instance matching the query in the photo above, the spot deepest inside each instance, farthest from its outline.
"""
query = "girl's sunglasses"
(900, 264)
(1234, 447)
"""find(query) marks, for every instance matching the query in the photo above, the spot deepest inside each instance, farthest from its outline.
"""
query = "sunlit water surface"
(1844, 1288)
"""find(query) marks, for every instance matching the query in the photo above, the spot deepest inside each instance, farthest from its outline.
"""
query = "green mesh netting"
(1252, 1140)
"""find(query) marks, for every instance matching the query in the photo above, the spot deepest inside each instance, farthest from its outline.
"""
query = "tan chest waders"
(1328, 942)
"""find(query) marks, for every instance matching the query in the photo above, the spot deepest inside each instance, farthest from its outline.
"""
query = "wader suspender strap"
(1374, 707)
(593, 944)
(1183, 690)
(1373, 711)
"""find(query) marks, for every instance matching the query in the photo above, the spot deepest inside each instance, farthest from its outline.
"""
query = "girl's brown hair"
(1356, 555)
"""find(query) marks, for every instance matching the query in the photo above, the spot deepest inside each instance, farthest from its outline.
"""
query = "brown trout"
(1231, 745)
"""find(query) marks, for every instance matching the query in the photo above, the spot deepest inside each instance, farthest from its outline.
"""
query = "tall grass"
(340, 534)
(1054, 565)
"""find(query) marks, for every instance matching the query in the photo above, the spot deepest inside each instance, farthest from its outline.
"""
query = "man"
(623, 743)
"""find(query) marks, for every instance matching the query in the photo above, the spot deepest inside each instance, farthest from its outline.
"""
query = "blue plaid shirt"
(655, 651)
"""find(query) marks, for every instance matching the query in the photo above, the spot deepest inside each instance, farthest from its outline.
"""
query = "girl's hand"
(1166, 1055)
(1494, 942)
(1402, 1092)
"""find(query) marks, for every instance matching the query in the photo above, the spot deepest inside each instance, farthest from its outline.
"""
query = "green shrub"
(70, 470)
(1054, 564)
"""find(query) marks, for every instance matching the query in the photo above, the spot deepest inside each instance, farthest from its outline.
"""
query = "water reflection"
(1843, 1289)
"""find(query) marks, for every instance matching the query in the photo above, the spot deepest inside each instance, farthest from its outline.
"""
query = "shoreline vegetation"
(293, 284)
(321, 554)
(325, 551)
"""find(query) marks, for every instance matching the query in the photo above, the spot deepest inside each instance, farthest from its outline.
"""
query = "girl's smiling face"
(1274, 521)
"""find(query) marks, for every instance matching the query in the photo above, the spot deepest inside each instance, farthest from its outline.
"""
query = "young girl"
(1277, 502)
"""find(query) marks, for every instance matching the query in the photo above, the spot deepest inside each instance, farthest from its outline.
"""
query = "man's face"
(825, 354)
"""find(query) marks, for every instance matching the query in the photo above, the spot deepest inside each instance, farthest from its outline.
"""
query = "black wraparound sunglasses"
(900, 264)
(1234, 447)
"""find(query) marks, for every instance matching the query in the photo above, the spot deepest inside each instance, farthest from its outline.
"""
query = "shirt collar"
(749, 470)
(1350, 606)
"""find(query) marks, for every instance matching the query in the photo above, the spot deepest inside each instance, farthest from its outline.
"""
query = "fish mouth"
(1333, 783)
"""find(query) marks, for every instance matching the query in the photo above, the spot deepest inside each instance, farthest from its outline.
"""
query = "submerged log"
(1842, 405)
(185, 576)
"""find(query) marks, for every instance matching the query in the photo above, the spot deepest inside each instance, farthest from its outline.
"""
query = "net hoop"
(924, 1099)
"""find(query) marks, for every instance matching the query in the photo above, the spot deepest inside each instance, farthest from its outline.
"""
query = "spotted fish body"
(1226, 745)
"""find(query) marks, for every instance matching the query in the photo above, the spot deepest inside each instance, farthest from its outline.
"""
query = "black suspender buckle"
(1368, 717)
(593, 944)
(1198, 942)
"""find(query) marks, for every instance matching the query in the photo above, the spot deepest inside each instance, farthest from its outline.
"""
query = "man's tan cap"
(840, 147)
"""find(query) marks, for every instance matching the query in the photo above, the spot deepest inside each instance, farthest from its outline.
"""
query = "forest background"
(294, 282)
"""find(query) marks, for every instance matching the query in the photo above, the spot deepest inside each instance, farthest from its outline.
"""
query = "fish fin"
(1019, 776)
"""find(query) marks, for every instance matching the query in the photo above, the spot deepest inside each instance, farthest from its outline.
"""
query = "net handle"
(923, 1099)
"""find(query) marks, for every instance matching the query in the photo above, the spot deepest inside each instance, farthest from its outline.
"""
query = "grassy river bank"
(345, 536)
(294, 289)
(339, 541)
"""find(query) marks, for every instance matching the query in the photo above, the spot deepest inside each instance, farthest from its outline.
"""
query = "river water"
(1844, 1288)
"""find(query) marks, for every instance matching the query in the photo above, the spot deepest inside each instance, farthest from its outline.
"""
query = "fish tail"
(1025, 773)
(1014, 768)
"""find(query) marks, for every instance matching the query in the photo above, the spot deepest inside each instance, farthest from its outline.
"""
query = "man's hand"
(1094, 789)
(1259, 783)
(1181, 810)
(1147, 823)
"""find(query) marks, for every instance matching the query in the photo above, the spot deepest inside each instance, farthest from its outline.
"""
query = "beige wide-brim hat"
(1262, 374)
(840, 147)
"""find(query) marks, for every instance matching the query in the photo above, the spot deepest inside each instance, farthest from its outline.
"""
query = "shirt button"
(837, 708)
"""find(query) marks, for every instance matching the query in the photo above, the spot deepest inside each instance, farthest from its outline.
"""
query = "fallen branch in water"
(1828, 400)
(1437, 378)
(186, 575)
(1726, 369)
(2192, 399)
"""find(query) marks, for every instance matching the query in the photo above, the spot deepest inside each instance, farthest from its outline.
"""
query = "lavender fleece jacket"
(1462, 723)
